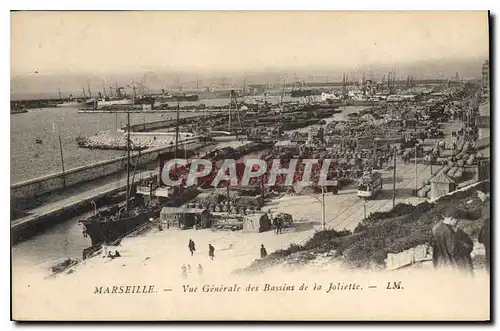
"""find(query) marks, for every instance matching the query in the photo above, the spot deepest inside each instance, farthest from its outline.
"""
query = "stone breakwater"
(117, 140)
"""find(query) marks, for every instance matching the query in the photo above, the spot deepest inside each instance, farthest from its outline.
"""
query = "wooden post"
(416, 172)
(177, 131)
(364, 207)
(394, 180)
(62, 161)
(128, 161)
(323, 207)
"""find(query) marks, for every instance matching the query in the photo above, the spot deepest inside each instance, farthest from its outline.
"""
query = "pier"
(70, 202)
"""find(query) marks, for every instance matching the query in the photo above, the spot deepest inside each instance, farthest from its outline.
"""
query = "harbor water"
(65, 240)
(30, 160)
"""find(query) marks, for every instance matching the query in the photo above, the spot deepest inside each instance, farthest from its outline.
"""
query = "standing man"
(280, 225)
(275, 224)
(443, 244)
(211, 250)
(192, 247)
(484, 235)
(184, 271)
(463, 249)
(263, 252)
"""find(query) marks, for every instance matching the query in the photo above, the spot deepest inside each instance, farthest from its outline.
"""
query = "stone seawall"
(35, 187)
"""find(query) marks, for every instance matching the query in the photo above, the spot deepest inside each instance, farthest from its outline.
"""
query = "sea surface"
(30, 160)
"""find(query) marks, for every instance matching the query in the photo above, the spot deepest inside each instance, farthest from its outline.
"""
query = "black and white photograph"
(250, 165)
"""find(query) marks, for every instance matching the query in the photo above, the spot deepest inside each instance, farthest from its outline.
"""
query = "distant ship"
(331, 98)
(301, 93)
(144, 100)
(86, 104)
(181, 97)
(112, 102)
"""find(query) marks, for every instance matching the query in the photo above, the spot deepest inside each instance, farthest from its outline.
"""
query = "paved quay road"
(346, 210)
(76, 199)
(84, 193)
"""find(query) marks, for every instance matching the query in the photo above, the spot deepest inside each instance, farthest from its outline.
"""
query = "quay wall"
(151, 125)
(35, 187)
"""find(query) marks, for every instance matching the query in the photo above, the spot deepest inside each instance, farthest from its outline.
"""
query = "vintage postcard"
(273, 165)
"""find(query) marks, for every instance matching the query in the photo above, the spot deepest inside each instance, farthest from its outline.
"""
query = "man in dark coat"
(275, 224)
(211, 250)
(463, 249)
(484, 235)
(443, 244)
(192, 247)
(263, 252)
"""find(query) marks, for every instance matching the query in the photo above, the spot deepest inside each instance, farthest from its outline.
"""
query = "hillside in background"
(45, 85)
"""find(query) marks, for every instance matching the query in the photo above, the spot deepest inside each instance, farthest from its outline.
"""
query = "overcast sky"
(112, 42)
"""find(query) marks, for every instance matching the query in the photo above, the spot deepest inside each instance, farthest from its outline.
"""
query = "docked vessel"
(331, 98)
(18, 111)
(144, 100)
(301, 93)
(182, 97)
(395, 98)
(360, 102)
(80, 104)
(114, 102)
(112, 224)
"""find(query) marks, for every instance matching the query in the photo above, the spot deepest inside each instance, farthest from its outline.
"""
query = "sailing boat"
(112, 224)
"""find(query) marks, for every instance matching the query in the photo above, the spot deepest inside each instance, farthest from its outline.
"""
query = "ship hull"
(301, 93)
(331, 101)
(109, 232)
(190, 98)
(77, 105)
(360, 102)
(115, 102)
(145, 101)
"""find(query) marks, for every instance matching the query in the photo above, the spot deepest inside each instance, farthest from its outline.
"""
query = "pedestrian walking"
(183, 271)
(280, 225)
(263, 252)
(275, 225)
(200, 269)
(192, 247)
(211, 250)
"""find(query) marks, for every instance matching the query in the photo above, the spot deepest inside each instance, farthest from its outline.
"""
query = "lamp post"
(322, 201)
(95, 207)
(323, 206)
(364, 207)
(416, 170)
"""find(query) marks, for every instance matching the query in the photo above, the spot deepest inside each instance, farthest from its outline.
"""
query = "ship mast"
(128, 159)
(133, 88)
(90, 92)
(177, 129)
(282, 94)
